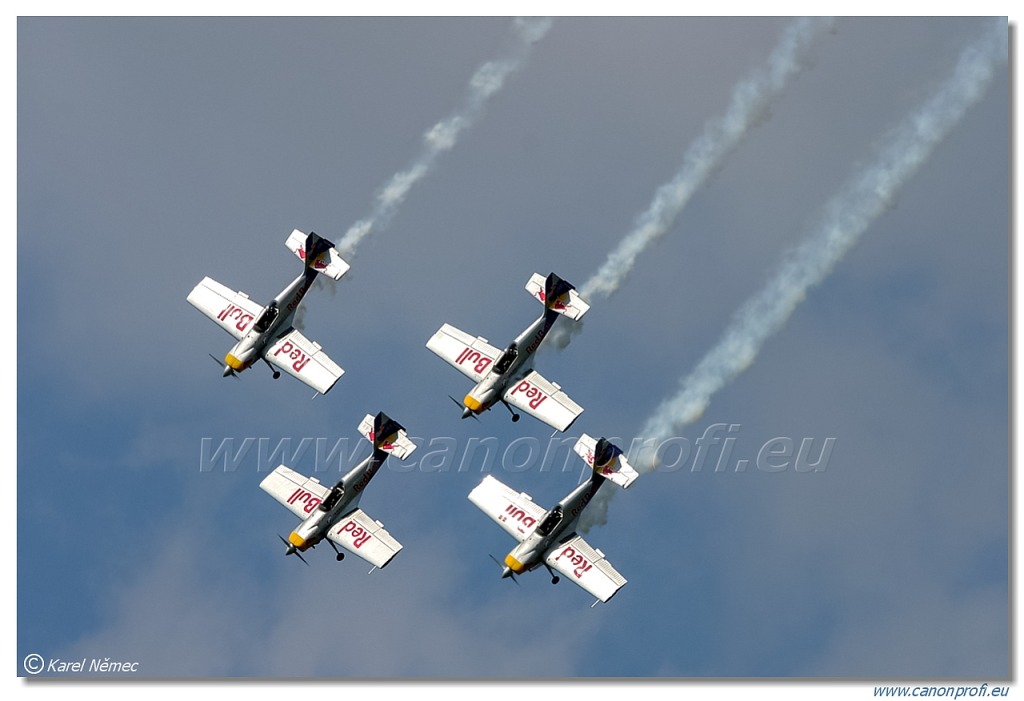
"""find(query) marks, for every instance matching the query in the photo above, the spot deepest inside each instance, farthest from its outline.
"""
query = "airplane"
(549, 538)
(508, 376)
(267, 332)
(333, 513)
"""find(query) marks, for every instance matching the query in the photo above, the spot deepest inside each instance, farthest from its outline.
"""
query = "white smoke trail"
(748, 104)
(443, 136)
(846, 216)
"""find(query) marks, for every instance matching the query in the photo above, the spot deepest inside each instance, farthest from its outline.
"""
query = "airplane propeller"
(466, 411)
(505, 571)
(227, 368)
(292, 550)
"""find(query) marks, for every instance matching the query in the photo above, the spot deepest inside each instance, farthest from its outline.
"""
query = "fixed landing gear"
(554, 577)
(277, 373)
(338, 555)
(515, 416)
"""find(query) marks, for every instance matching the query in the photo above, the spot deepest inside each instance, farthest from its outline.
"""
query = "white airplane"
(266, 332)
(333, 513)
(549, 538)
(508, 376)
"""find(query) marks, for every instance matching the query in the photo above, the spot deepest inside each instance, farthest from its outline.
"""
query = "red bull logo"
(317, 263)
(476, 359)
(580, 563)
(294, 353)
(307, 499)
(535, 396)
(357, 534)
(385, 444)
(241, 317)
(558, 303)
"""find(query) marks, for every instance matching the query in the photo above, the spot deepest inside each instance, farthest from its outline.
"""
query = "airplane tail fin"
(558, 295)
(317, 254)
(607, 460)
(387, 434)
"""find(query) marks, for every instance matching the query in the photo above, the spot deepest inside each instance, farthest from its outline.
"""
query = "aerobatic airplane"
(333, 513)
(266, 332)
(508, 376)
(549, 538)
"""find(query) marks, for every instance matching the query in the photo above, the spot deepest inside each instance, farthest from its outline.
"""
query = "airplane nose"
(467, 412)
(506, 572)
(228, 370)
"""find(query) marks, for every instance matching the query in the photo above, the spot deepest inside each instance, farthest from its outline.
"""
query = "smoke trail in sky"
(443, 136)
(846, 216)
(750, 101)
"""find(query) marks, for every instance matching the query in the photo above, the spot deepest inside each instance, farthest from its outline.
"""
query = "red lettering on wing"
(241, 317)
(535, 396)
(478, 360)
(514, 513)
(580, 563)
(301, 496)
(294, 353)
(358, 534)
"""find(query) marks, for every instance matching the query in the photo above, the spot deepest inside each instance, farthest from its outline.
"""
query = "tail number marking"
(581, 563)
(294, 353)
(359, 535)
(479, 361)
(301, 496)
(534, 395)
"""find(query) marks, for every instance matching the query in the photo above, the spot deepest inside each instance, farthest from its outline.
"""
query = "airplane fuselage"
(557, 523)
(275, 317)
(503, 374)
(345, 495)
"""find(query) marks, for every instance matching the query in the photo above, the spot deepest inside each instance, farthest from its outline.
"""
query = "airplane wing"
(232, 311)
(304, 360)
(543, 400)
(361, 535)
(298, 493)
(585, 566)
(514, 511)
(471, 355)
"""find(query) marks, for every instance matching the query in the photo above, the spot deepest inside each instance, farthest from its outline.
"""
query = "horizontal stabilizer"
(558, 295)
(606, 460)
(317, 253)
(387, 434)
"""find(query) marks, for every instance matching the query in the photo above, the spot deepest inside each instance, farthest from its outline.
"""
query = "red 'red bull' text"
(301, 496)
(294, 353)
(581, 563)
(357, 533)
(241, 317)
(514, 513)
(535, 396)
(482, 362)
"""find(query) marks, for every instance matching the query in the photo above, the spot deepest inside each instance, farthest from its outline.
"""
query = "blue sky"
(154, 152)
